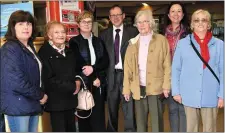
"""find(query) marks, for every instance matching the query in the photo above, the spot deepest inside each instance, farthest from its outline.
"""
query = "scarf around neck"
(204, 46)
(173, 37)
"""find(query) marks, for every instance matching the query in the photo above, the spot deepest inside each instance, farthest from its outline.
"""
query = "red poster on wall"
(69, 11)
(69, 16)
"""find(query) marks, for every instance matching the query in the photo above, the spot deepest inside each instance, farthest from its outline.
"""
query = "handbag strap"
(77, 76)
(85, 88)
(83, 117)
(204, 61)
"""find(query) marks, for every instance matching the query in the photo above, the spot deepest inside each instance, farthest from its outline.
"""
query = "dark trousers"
(63, 121)
(177, 116)
(96, 122)
(2, 123)
(113, 99)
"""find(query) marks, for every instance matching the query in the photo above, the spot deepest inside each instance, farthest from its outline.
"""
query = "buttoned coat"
(197, 86)
(158, 73)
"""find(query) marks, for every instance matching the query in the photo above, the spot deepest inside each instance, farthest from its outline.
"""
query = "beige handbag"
(85, 100)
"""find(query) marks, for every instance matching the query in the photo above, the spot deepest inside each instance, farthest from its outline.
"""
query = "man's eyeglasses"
(116, 15)
(202, 20)
(144, 22)
(86, 22)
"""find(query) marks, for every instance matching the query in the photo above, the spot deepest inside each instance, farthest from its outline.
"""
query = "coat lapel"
(110, 41)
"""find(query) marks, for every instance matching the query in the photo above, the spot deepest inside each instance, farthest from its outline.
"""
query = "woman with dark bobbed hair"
(21, 94)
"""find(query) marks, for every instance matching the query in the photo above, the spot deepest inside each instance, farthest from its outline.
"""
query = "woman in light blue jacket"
(193, 84)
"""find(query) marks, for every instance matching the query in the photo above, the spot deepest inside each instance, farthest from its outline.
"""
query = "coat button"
(57, 56)
(149, 72)
(149, 62)
(149, 83)
(151, 50)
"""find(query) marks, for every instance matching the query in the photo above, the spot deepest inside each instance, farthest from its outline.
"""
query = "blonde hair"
(85, 14)
(147, 13)
(206, 13)
(49, 26)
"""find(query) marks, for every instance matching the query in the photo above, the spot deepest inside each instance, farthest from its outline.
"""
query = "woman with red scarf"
(194, 85)
(176, 28)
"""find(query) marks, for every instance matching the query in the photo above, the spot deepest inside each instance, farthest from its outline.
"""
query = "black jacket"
(80, 46)
(58, 77)
(107, 37)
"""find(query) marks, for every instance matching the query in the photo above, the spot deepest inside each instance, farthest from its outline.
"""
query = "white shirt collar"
(89, 37)
(121, 28)
(58, 49)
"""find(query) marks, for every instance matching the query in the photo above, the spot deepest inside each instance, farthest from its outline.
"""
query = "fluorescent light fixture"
(145, 4)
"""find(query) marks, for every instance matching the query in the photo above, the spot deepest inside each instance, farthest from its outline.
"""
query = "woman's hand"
(127, 97)
(177, 98)
(166, 93)
(97, 83)
(44, 100)
(220, 103)
(87, 70)
(78, 83)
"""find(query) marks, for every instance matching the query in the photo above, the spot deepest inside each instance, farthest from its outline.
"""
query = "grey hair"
(147, 13)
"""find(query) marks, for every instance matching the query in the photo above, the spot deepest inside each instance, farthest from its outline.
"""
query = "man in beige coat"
(147, 69)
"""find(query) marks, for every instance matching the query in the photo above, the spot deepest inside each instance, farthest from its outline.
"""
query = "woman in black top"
(59, 70)
(92, 51)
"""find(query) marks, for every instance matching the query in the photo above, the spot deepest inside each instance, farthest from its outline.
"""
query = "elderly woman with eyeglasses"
(91, 50)
(147, 69)
(194, 85)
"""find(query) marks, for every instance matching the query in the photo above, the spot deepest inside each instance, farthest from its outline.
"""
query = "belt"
(118, 70)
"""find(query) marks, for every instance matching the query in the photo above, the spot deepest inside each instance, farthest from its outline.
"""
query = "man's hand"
(127, 97)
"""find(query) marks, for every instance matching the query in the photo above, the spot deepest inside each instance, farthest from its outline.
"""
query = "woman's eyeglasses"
(202, 20)
(86, 22)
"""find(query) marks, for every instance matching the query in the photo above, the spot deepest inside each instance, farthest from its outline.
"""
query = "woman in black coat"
(92, 51)
(59, 70)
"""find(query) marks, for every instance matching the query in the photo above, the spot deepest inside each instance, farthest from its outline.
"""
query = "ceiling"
(131, 7)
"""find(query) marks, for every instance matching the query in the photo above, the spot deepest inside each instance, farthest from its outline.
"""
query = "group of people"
(135, 66)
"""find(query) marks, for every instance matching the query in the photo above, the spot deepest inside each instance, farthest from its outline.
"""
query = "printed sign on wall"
(8, 9)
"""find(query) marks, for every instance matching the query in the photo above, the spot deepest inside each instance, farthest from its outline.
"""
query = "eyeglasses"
(203, 20)
(116, 15)
(144, 22)
(86, 22)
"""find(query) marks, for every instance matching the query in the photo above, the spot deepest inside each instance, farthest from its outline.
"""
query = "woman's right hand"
(44, 100)
(127, 97)
(177, 98)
